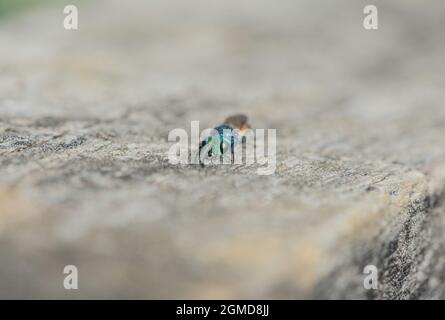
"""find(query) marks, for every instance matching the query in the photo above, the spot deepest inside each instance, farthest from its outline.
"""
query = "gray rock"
(360, 178)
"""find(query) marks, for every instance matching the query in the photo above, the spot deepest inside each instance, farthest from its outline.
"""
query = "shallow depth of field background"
(84, 174)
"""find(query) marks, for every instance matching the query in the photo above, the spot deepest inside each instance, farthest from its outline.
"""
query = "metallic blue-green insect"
(223, 138)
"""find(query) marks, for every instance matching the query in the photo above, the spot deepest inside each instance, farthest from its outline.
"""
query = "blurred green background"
(10, 8)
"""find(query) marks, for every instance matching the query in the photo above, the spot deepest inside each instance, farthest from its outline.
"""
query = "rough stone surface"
(360, 178)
